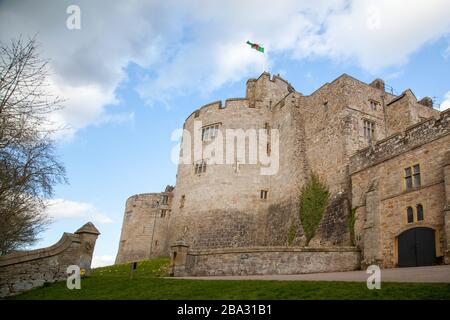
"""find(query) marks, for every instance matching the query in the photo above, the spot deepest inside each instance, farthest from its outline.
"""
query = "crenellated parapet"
(412, 137)
(144, 226)
(223, 200)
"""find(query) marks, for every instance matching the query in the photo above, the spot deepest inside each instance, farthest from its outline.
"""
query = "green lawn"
(113, 283)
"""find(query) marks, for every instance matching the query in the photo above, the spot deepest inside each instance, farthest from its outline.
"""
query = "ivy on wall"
(291, 235)
(313, 201)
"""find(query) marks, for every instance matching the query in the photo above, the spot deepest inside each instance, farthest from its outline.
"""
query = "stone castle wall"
(380, 198)
(24, 271)
(405, 110)
(414, 136)
(144, 227)
(262, 260)
(222, 208)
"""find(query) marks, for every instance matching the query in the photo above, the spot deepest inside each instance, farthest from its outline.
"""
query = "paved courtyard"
(418, 274)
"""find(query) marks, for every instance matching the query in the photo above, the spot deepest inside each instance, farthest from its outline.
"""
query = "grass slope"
(113, 283)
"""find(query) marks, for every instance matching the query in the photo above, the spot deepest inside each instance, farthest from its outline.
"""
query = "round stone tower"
(222, 194)
(144, 227)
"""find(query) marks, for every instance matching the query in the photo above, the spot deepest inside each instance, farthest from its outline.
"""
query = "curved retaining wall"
(24, 271)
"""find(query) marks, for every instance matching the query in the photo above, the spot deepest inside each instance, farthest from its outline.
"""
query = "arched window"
(419, 212)
(410, 215)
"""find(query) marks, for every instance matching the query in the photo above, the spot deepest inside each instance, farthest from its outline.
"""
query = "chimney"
(427, 102)
(378, 83)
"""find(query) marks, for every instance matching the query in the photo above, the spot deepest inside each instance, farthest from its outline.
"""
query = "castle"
(385, 159)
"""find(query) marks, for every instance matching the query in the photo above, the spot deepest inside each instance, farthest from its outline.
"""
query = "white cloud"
(65, 209)
(383, 33)
(83, 105)
(116, 118)
(446, 103)
(102, 261)
(198, 46)
(447, 52)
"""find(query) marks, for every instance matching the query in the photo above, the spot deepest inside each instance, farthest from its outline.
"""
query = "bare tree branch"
(29, 168)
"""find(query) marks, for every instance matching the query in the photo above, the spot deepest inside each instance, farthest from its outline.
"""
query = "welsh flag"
(256, 46)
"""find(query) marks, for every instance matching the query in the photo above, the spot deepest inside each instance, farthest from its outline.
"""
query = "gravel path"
(418, 274)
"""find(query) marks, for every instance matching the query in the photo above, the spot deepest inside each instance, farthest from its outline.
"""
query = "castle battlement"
(338, 130)
(256, 95)
(389, 147)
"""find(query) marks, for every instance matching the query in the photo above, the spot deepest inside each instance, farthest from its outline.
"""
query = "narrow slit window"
(183, 198)
(416, 174)
(369, 130)
(408, 179)
(410, 215)
(419, 212)
(264, 194)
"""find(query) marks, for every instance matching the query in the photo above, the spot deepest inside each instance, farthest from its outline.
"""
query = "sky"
(132, 71)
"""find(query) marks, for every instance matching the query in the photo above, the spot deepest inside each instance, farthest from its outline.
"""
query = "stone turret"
(88, 235)
(427, 102)
(378, 83)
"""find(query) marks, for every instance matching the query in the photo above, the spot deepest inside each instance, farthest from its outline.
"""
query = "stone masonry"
(23, 271)
(222, 207)
(380, 197)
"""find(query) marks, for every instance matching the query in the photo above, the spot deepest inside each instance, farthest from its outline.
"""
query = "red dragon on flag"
(256, 46)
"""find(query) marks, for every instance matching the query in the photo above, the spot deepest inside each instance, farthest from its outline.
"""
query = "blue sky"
(135, 71)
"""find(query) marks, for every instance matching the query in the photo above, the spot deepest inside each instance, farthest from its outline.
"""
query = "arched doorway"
(416, 247)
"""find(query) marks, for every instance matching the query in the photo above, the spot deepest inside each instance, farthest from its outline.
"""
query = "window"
(264, 194)
(210, 132)
(412, 177)
(416, 175)
(200, 167)
(369, 130)
(419, 212)
(409, 215)
(373, 105)
(165, 199)
(163, 213)
(183, 198)
(237, 166)
(408, 178)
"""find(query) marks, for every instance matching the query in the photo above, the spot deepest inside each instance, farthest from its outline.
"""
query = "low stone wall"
(26, 270)
(262, 260)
